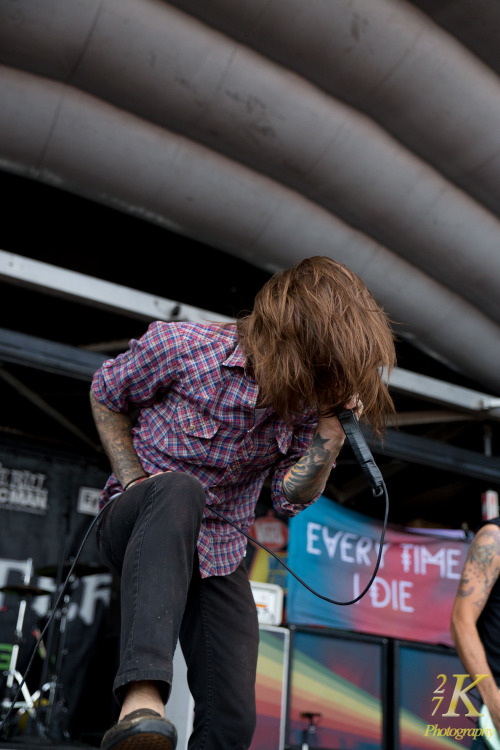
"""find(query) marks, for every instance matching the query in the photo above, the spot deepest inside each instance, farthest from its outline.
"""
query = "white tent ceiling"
(366, 130)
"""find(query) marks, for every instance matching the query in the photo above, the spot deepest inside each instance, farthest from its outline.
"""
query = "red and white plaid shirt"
(197, 415)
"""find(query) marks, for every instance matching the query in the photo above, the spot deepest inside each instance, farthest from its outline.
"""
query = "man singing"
(193, 418)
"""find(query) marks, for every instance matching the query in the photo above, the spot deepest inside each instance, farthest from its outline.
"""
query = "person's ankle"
(143, 694)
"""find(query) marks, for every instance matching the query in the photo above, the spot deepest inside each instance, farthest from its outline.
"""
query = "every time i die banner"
(334, 550)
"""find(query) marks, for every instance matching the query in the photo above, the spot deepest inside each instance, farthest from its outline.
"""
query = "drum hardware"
(60, 591)
(14, 677)
(56, 641)
(68, 572)
(36, 712)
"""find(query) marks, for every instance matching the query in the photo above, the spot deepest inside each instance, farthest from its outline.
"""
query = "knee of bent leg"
(185, 487)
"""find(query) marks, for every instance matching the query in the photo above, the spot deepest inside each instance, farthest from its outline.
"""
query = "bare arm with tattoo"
(115, 432)
(307, 478)
(479, 575)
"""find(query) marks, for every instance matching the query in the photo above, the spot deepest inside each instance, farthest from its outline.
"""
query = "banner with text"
(334, 550)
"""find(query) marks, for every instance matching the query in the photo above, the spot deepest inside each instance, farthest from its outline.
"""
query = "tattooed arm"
(307, 478)
(115, 432)
(479, 575)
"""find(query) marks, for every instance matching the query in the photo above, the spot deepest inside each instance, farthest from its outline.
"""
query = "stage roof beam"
(89, 290)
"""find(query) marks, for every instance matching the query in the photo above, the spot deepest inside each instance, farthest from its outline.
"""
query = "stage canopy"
(278, 129)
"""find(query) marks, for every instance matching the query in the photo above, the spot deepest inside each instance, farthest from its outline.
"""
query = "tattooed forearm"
(308, 476)
(481, 569)
(115, 431)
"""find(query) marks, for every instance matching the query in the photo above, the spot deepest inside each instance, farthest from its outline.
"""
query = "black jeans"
(148, 536)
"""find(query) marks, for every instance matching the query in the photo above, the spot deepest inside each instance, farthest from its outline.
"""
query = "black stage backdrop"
(47, 503)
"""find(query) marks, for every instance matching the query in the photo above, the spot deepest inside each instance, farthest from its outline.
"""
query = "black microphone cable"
(300, 580)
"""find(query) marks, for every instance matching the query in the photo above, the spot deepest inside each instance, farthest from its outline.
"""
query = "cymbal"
(25, 589)
(80, 570)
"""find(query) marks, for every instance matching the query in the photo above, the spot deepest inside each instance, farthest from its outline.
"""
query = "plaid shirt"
(197, 415)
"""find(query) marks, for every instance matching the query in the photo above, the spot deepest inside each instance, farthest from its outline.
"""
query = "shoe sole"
(144, 741)
(140, 733)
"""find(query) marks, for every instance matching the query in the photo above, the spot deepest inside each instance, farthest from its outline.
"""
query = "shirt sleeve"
(302, 436)
(136, 377)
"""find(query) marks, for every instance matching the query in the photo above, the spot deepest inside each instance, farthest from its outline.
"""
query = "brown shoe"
(143, 729)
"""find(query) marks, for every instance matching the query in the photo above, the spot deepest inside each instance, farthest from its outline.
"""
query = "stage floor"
(35, 743)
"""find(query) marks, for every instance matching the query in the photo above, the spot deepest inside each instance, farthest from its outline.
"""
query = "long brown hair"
(316, 338)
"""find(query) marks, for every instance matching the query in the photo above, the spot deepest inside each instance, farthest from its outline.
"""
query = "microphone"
(356, 440)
